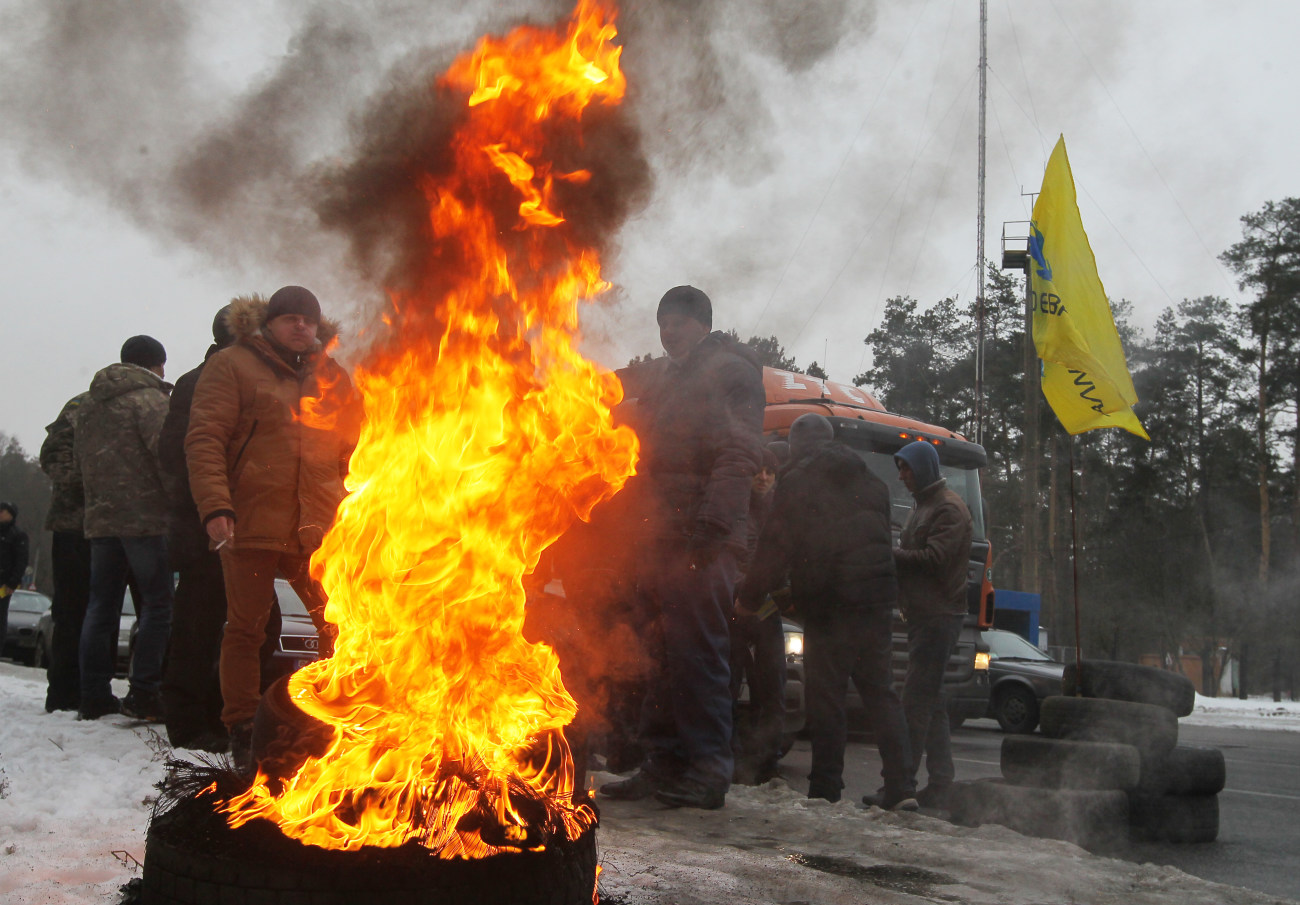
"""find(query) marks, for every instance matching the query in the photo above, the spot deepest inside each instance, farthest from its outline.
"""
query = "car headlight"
(981, 659)
(794, 644)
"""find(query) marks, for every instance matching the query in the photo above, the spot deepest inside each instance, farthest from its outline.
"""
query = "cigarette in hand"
(220, 545)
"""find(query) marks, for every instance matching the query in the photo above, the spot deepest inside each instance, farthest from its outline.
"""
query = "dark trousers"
(250, 601)
(758, 658)
(930, 643)
(855, 645)
(110, 560)
(71, 567)
(191, 687)
(686, 716)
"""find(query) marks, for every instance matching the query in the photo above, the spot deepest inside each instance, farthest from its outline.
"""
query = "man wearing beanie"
(266, 473)
(933, 556)
(829, 531)
(190, 690)
(700, 424)
(115, 445)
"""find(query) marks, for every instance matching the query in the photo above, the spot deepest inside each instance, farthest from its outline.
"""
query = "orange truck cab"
(875, 434)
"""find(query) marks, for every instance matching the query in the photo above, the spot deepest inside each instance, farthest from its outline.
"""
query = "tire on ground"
(1096, 820)
(1153, 730)
(1130, 682)
(1185, 770)
(1174, 818)
(1028, 760)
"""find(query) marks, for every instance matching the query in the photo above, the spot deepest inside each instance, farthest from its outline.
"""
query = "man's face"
(764, 480)
(293, 331)
(679, 333)
(6, 516)
(906, 475)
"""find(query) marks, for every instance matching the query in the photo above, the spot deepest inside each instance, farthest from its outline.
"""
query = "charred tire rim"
(1153, 730)
(1064, 764)
(1130, 682)
(270, 869)
(1186, 770)
(1091, 819)
(1175, 818)
(1017, 709)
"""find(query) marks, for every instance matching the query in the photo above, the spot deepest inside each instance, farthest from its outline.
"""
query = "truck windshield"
(965, 482)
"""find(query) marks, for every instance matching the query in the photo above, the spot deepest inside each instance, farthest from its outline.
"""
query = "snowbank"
(77, 796)
(1252, 713)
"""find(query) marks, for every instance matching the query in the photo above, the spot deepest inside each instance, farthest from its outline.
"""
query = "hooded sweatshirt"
(934, 549)
(115, 443)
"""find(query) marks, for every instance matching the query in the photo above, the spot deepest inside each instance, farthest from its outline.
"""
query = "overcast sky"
(811, 158)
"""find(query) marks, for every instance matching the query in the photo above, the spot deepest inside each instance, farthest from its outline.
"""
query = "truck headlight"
(981, 659)
(794, 644)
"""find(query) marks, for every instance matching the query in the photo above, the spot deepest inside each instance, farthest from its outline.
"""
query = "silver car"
(125, 630)
(25, 611)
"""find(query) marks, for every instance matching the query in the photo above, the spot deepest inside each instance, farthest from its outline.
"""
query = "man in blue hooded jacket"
(932, 559)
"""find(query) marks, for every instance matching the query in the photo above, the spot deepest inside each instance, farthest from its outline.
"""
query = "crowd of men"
(225, 482)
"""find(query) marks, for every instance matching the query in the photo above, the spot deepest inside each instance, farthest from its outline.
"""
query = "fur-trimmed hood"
(248, 316)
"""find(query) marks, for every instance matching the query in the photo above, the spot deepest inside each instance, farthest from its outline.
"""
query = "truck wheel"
(1130, 682)
(1016, 709)
(1061, 764)
(1153, 730)
(1092, 819)
(1186, 770)
(1175, 818)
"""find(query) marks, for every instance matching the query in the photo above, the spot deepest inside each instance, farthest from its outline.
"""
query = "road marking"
(1263, 794)
(987, 763)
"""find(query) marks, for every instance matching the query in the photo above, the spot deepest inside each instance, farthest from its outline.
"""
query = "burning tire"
(1152, 729)
(1175, 818)
(1087, 818)
(192, 857)
(1063, 764)
(1184, 771)
(1130, 682)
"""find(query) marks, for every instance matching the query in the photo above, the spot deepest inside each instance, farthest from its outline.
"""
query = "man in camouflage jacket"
(71, 557)
(115, 441)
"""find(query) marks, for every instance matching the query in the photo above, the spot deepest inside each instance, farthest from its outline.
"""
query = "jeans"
(758, 655)
(686, 716)
(250, 600)
(930, 642)
(857, 645)
(110, 560)
(71, 559)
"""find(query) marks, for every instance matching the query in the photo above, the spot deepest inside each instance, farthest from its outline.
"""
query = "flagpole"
(979, 233)
(1074, 562)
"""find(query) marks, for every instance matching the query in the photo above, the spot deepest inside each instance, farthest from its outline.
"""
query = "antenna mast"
(979, 233)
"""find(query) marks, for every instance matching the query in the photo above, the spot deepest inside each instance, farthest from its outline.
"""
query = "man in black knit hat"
(13, 559)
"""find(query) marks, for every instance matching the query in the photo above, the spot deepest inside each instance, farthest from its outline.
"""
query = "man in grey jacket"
(932, 559)
(115, 442)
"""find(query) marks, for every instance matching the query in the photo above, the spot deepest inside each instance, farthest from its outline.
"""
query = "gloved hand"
(5, 591)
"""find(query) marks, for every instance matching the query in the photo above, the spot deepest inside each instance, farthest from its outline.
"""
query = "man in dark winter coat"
(700, 424)
(115, 441)
(829, 531)
(13, 560)
(191, 689)
(758, 657)
(932, 558)
(267, 476)
(70, 560)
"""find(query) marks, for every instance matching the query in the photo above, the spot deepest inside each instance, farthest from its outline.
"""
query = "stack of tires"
(1109, 764)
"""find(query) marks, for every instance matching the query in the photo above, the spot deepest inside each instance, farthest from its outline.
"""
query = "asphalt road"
(1259, 810)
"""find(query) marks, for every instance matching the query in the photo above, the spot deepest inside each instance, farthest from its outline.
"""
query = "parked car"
(298, 644)
(125, 637)
(25, 611)
(1021, 675)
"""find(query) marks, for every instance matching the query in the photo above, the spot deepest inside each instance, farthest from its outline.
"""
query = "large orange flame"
(484, 437)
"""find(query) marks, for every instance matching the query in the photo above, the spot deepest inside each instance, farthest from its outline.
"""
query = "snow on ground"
(76, 797)
(1253, 713)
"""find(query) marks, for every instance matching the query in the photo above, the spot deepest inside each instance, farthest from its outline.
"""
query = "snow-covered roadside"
(76, 793)
(1252, 713)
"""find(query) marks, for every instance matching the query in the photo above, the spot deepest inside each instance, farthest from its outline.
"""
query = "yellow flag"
(1085, 376)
